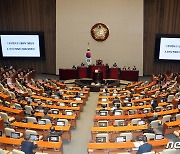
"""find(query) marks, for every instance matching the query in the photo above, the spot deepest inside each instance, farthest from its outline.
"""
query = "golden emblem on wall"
(100, 32)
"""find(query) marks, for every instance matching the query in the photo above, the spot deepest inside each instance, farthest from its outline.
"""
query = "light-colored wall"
(74, 20)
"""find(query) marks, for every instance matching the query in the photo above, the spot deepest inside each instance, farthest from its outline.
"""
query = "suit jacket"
(144, 148)
(27, 147)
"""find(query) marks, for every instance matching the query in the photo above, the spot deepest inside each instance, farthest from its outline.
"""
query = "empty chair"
(64, 120)
(118, 122)
(149, 136)
(8, 132)
(177, 116)
(152, 152)
(156, 94)
(170, 98)
(128, 136)
(166, 118)
(6, 118)
(103, 135)
(31, 119)
(170, 151)
(155, 124)
(135, 121)
(3, 151)
(28, 109)
(15, 151)
(132, 112)
(47, 121)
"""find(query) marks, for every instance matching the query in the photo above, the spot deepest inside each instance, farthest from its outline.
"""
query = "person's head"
(26, 138)
(45, 112)
(52, 128)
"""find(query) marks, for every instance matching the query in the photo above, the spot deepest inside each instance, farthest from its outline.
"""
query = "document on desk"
(137, 144)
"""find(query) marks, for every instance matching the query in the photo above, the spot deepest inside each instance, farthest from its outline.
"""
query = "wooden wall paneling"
(160, 17)
(31, 15)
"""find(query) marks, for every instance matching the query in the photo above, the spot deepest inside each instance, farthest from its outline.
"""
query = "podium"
(97, 77)
(102, 68)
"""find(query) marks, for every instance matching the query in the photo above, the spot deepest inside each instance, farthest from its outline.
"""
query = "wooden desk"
(2, 124)
(6, 140)
(112, 118)
(35, 89)
(59, 84)
(65, 129)
(115, 131)
(11, 110)
(114, 148)
(138, 90)
(71, 119)
(170, 127)
(5, 97)
(82, 72)
(129, 87)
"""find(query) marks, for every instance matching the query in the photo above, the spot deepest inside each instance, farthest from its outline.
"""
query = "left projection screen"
(22, 46)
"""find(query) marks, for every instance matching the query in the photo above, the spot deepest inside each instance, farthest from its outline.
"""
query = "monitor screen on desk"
(132, 112)
(34, 137)
(24, 120)
(159, 137)
(128, 104)
(141, 122)
(117, 105)
(102, 123)
(145, 111)
(61, 104)
(157, 109)
(104, 99)
(15, 135)
(1, 132)
(74, 105)
(121, 139)
(69, 113)
(55, 112)
(78, 98)
(54, 138)
(42, 122)
(118, 112)
(141, 103)
(169, 107)
(103, 113)
(104, 105)
(100, 139)
(60, 123)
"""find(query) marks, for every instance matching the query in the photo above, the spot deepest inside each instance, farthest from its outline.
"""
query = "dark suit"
(52, 134)
(27, 147)
(144, 148)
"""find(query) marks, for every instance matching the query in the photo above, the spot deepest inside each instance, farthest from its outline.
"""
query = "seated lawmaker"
(146, 147)
(114, 65)
(28, 146)
(46, 116)
(53, 132)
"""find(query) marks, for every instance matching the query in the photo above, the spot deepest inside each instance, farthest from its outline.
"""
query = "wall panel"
(31, 15)
(160, 17)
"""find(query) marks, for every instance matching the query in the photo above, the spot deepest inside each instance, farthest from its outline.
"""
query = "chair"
(6, 118)
(104, 135)
(28, 109)
(156, 94)
(132, 112)
(166, 118)
(152, 152)
(15, 151)
(65, 121)
(170, 98)
(17, 106)
(47, 121)
(177, 116)
(3, 151)
(177, 133)
(29, 132)
(13, 96)
(149, 136)
(170, 151)
(128, 136)
(8, 132)
(155, 124)
(31, 119)
(135, 121)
